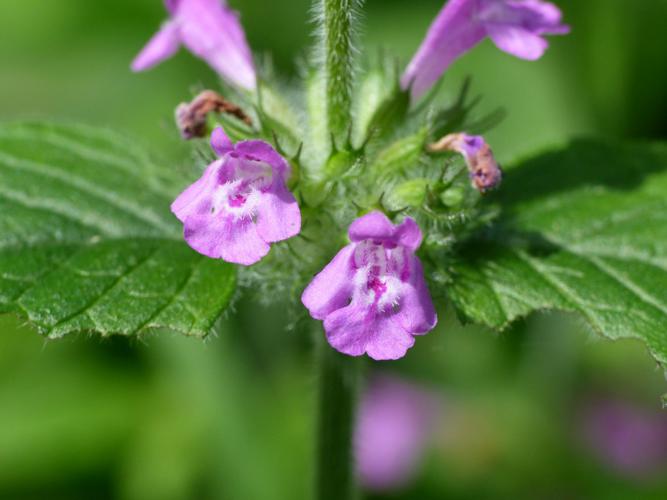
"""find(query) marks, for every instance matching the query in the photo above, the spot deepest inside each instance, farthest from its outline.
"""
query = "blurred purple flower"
(484, 170)
(372, 296)
(628, 438)
(515, 26)
(396, 420)
(240, 204)
(210, 30)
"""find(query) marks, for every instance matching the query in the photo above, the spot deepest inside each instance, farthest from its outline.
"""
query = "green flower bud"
(402, 154)
(316, 189)
(314, 192)
(410, 193)
(338, 164)
(453, 197)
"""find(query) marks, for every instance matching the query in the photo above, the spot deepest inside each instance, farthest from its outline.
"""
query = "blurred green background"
(230, 418)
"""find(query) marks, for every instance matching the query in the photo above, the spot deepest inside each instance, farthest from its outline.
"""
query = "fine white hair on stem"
(334, 56)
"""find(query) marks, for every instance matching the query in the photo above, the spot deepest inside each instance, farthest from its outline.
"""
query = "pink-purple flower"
(396, 419)
(210, 30)
(626, 437)
(372, 296)
(241, 203)
(484, 170)
(514, 26)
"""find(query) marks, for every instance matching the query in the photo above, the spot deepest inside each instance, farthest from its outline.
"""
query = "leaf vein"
(84, 186)
(119, 279)
(171, 301)
(627, 283)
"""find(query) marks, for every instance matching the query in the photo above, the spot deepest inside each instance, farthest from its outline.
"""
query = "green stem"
(338, 373)
(337, 44)
(335, 425)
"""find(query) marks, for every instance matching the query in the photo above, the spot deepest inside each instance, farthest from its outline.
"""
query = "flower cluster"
(372, 297)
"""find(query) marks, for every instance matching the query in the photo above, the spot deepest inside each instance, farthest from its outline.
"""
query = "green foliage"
(87, 242)
(583, 229)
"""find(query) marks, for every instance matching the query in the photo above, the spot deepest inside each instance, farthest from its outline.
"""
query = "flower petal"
(461, 24)
(540, 17)
(408, 234)
(220, 142)
(355, 330)
(453, 32)
(416, 313)
(263, 151)
(331, 288)
(172, 6)
(278, 215)
(197, 198)
(517, 41)
(213, 32)
(390, 341)
(226, 238)
(372, 226)
(163, 45)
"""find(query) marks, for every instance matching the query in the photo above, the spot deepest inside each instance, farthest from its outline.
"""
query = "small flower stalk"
(515, 26)
(484, 170)
(240, 205)
(211, 31)
(372, 296)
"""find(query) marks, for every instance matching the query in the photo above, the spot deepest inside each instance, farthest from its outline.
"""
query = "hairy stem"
(337, 45)
(335, 425)
(337, 373)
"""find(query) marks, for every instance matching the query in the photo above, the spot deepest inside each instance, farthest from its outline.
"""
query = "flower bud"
(484, 170)
(400, 155)
(339, 163)
(191, 118)
(452, 197)
(411, 193)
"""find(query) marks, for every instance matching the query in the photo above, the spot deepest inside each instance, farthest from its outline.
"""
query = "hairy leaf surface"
(87, 241)
(584, 229)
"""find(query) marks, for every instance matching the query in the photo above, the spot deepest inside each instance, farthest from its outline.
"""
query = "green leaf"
(584, 229)
(87, 241)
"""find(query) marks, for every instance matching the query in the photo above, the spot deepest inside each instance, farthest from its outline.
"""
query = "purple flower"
(484, 170)
(395, 421)
(240, 204)
(372, 296)
(211, 31)
(515, 26)
(627, 438)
